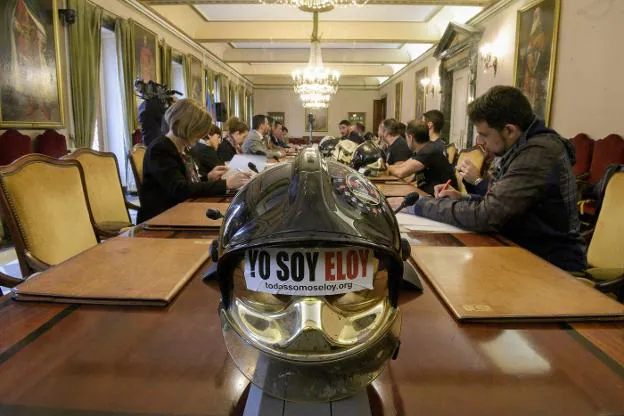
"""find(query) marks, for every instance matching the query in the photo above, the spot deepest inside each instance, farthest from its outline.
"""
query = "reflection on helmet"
(369, 158)
(344, 151)
(327, 145)
(309, 269)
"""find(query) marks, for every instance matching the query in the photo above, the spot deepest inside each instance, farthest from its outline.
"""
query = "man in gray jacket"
(532, 196)
(255, 143)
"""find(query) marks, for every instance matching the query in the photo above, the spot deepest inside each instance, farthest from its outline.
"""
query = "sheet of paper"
(415, 223)
(241, 162)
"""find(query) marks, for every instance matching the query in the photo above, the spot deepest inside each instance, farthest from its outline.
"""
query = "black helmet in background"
(309, 266)
(327, 145)
(369, 159)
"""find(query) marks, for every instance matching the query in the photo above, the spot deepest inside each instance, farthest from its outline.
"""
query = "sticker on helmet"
(363, 190)
(309, 271)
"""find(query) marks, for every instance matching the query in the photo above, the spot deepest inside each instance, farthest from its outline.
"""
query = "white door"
(459, 115)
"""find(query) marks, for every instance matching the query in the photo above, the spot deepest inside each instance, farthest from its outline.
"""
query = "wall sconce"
(488, 57)
(430, 84)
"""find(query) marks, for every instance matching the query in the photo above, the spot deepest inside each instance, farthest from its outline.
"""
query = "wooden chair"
(136, 161)
(477, 156)
(584, 149)
(104, 190)
(13, 145)
(607, 151)
(605, 254)
(51, 143)
(46, 206)
(451, 153)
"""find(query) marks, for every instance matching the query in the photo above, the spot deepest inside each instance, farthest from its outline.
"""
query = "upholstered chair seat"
(104, 190)
(605, 254)
(477, 156)
(45, 203)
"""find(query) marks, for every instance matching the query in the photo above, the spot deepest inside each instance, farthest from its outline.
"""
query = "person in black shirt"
(397, 149)
(169, 174)
(347, 131)
(205, 152)
(435, 122)
(428, 163)
(231, 145)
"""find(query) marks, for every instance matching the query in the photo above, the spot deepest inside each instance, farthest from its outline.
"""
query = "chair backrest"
(45, 204)
(584, 148)
(51, 143)
(606, 249)
(451, 153)
(136, 161)
(607, 151)
(104, 189)
(477, 156)
(13, 145)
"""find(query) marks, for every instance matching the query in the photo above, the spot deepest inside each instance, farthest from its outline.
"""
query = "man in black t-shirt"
(428, 163)
(397, 149)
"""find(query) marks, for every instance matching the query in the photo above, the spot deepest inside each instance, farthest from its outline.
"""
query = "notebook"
(187, 215)
(121, 271)
(507, 284)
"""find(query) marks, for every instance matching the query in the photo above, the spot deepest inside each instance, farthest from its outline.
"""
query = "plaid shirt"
(531, 201)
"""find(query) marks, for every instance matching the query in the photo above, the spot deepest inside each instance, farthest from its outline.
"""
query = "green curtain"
(84, 59)
(241, 103)
(186, 70)
(223, 91)
(209, 88)
(232, 99)
(125, 61)
(250, 110)
(165, 64)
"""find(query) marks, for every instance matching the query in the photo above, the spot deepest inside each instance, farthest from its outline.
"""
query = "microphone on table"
(252, 167)
(213, 214)
(409, 200)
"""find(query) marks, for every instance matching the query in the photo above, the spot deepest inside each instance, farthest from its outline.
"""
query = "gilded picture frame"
(195, 89)
(321, 119)
(537, 29)
(398, 100)
(278, 116)
(355, 117)
(420, 94)
(25, 103)
(146, 53)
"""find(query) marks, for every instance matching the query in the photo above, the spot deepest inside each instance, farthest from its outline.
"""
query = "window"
(177, 76)
(110, 124)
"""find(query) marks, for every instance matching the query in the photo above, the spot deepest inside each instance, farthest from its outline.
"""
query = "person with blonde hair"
(170, 175)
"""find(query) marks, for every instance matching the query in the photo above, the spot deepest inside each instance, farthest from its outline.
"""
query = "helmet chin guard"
(309, 267)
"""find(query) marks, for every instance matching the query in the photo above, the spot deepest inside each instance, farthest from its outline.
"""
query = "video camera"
(151, 90)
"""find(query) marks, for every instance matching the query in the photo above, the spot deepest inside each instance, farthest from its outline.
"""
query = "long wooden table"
(104, 360)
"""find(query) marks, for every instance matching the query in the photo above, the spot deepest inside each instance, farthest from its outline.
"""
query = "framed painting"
(537, 25)
(31, 85)
(421, 94)
(357, 117)
(196, 87)
(319, 122)
(278, 116)
(398, 100)
(146, 61)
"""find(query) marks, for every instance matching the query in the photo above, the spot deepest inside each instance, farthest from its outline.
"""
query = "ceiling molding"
(479, 18)
(388, 2)
(330, 56)
(172, 28)
(341, 87)
(289, 31)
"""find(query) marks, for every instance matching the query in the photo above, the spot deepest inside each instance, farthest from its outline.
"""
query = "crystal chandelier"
(316, 5)
(315, 84)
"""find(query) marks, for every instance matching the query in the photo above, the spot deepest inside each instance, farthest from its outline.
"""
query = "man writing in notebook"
(532, 199)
